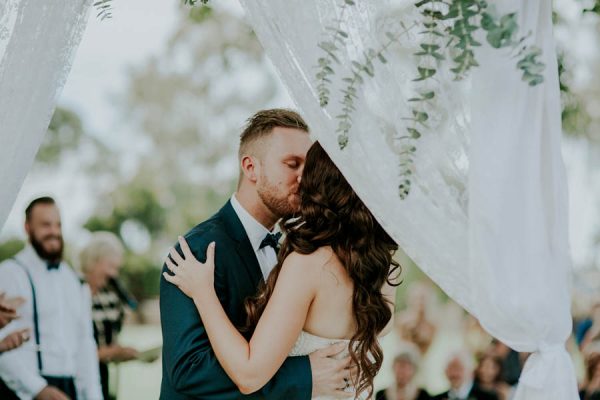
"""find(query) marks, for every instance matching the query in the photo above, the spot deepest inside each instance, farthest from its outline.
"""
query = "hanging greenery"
(104, 9)
(447, 30)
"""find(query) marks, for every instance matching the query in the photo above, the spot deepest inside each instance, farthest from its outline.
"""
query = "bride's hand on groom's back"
(190, 275)
(330, 376)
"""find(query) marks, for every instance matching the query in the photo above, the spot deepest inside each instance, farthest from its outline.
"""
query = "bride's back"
(330, 314)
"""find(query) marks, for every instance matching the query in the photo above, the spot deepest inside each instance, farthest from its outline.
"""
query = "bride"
(334, 282)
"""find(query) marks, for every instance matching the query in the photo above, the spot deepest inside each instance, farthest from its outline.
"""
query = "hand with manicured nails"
(190, 275)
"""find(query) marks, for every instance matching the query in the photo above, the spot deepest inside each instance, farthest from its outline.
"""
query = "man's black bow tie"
(272, 239)
(53, 265)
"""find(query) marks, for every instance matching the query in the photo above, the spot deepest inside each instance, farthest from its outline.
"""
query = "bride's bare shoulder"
(312, 262)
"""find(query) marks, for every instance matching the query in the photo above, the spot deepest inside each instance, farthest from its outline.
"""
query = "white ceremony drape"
(37, 44)
(486, 216)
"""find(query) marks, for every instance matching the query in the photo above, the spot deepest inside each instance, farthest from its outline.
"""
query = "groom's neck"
(251, 201)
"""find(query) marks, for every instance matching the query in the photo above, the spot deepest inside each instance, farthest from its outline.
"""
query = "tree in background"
(580, 88)
(188, 105)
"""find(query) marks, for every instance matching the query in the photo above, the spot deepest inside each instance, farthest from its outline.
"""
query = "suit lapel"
(236, 230)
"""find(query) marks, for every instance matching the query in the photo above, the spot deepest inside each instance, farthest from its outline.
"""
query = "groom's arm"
(190, 363)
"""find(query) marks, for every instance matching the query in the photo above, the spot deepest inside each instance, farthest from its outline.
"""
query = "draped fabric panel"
(486, 217)
(37, 43)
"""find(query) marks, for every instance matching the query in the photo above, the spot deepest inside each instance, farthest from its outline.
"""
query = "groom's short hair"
(262, 124)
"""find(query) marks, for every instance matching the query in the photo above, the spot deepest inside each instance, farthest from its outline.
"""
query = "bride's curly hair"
(331, 214)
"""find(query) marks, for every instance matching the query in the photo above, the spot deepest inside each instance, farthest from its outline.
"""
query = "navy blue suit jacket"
(190, 368)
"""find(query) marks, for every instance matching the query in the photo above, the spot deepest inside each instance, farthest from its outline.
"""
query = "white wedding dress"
(308, 343)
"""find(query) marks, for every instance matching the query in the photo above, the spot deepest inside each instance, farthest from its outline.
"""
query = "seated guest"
(100, 261)
(591, 388)
(405, 366)
(60, 360)
(488, 376)
(459, 372)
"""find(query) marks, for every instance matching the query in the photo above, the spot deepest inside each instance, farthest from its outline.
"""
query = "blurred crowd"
(441, 352)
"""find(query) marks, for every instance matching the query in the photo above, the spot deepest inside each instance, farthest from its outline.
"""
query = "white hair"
(465, 358)
(101, 245)
(410, 355)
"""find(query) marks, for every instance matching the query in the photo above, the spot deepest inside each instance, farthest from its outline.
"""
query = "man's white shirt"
(256, 232)
(65, 324)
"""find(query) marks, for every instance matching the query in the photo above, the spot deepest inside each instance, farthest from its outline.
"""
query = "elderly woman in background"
(101, 260)
(405, 367)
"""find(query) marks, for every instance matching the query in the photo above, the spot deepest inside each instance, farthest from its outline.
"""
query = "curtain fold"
(486, 217)
(38, 41)
(518, 228)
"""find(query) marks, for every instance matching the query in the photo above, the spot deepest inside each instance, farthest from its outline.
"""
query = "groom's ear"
(249, 168)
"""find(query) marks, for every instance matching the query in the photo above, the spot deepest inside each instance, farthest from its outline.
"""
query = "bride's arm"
(249, 365)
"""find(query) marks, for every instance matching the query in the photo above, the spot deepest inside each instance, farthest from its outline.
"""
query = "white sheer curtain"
(37, 44)
(486, 216)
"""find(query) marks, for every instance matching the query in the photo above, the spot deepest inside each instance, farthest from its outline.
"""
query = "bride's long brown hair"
(331, 214)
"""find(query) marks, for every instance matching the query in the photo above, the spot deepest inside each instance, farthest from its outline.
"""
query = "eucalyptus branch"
(330, 48)
(194, 2)
(104, 9)
(463, 12)
(500, 34)
(356, 79)
(428, 57)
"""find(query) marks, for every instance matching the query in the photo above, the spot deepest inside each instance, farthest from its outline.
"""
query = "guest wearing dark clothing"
(583, 395)
(460, 374)
(511, 362)
(591, 390)
(474, 394)
(488, 376)
(384, 394)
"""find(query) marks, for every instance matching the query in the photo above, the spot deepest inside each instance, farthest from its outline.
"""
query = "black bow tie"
(272, 239)
(52, 265)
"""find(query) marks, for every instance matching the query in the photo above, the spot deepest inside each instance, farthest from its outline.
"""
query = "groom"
(272, 150)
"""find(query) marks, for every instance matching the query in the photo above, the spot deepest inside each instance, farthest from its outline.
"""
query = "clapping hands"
(8, 313)
(8, 309)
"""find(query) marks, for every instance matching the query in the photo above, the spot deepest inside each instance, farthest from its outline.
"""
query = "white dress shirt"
(65, 325)
(256, 232)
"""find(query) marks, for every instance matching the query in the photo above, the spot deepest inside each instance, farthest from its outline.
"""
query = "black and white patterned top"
(108, 315)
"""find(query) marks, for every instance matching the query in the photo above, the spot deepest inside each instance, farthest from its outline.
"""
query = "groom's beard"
(282, 205)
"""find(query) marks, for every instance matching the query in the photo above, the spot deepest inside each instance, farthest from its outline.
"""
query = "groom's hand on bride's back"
(329, 376)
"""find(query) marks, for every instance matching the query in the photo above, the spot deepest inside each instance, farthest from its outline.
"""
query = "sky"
(139, 29)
